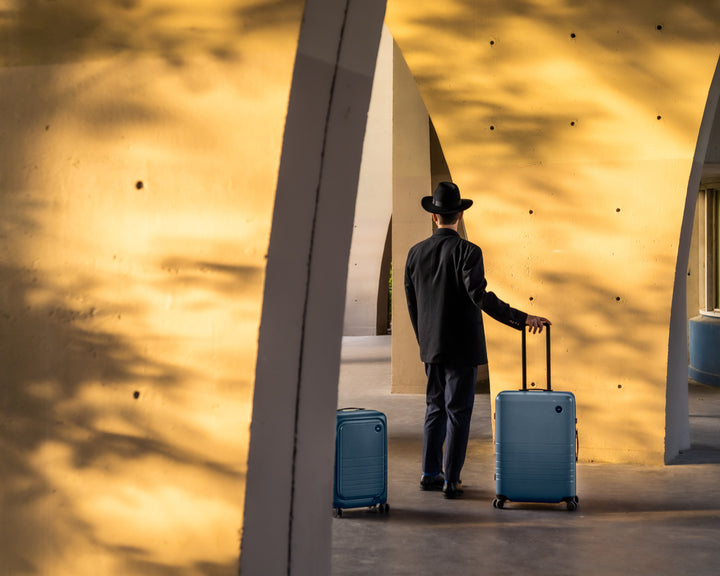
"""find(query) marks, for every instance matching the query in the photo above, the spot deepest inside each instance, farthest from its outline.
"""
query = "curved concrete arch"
(677, 431)
(286, 527)
(368, 267)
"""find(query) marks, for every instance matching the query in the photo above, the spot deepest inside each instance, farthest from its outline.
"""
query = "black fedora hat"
(445, 200)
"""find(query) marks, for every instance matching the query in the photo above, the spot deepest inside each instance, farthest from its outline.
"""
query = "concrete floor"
(651, 521)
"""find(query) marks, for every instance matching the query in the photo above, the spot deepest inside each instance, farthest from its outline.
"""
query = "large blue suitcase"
(360, 460)
(535, 443)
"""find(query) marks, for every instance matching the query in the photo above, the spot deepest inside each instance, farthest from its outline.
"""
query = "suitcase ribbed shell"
(535, 446)
(360, 459)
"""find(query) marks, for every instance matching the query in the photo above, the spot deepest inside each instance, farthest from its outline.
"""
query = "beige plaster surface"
(373, 208)
(411, 224)
(573, 128)
(140, 148)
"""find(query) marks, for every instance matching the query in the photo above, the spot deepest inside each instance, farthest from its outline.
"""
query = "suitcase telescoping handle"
(524, 357)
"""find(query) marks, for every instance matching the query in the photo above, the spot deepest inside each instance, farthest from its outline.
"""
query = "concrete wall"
(289, 483)
(140, 152)
(373, 207)
(575, 130)
(140, 159)
(412, 179)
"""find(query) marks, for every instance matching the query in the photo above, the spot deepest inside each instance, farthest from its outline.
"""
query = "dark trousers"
(450, 397)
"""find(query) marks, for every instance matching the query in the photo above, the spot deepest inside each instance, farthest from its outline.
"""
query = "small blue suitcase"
(360, 460)
(535, 443)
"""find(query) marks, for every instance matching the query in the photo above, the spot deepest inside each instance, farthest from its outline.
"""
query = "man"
(446, 291)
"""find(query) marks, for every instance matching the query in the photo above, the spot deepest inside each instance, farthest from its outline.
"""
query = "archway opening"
(696, 281)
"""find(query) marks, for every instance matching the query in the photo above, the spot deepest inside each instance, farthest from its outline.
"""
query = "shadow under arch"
(677, 426)
(286, 530)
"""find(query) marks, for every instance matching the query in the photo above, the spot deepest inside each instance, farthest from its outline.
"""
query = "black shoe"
(452, 490)
(428, 482)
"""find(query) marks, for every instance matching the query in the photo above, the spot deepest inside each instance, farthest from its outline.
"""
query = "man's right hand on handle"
(536, 323)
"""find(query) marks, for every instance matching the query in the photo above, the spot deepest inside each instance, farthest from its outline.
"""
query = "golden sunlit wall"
(573, 125)
(140, 144)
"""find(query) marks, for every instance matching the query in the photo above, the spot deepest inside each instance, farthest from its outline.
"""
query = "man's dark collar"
(446, 232)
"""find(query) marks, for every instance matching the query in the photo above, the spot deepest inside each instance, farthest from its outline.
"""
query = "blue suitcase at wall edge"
(360, 460)
(535, 443)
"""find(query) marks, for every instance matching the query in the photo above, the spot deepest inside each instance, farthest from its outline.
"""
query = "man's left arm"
(503, 312)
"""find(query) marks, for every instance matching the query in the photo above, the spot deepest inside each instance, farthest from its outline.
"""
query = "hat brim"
(427, 204)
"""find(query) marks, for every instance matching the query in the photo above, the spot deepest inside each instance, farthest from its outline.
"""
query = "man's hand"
(536, 323)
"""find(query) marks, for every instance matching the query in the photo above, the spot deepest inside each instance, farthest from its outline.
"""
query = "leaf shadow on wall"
(79, 422)
(511, 107)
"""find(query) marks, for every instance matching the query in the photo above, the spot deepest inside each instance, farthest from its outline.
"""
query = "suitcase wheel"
(572, 503)
(381, 508)
(498, 502)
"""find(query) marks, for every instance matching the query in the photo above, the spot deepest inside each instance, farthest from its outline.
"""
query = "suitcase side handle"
(524, 356)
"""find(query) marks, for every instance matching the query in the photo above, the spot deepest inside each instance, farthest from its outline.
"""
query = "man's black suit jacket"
(445, 287)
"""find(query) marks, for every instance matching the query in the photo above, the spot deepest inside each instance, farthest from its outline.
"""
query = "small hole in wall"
(617, 209)
(532, 298)
(139, 185)
(659, 117)
(531, 212)
(659, 26)
(572, 123)
(136, 394)
(572, 35)
(492, 42)
(617, 298)
(492, 127)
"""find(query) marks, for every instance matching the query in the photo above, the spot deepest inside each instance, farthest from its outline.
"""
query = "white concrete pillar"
(290, 466)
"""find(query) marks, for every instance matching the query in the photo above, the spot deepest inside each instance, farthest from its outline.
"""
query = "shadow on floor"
(659, 521)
